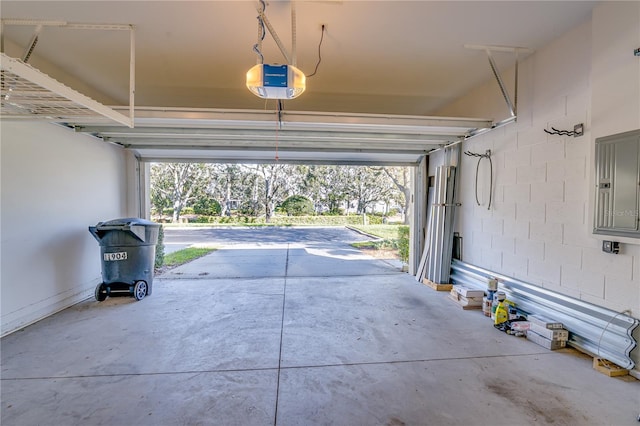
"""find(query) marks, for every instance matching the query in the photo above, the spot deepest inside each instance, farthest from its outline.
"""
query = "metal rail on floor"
(593, 329)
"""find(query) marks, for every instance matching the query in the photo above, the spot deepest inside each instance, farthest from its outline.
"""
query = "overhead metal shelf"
(29, 93)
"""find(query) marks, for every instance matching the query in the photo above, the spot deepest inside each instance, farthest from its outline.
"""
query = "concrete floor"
(295, 334)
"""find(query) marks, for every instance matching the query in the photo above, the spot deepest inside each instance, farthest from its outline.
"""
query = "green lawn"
(387, 232)
(183, 256)
(393, 238)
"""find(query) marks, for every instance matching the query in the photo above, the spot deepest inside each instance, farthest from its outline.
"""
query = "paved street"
(179, 238)
(262, 234)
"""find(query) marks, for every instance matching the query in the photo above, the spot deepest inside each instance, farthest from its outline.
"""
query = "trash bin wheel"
(101, 292)
(140, 290)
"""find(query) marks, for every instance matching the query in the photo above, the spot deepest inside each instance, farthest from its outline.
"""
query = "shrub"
(374, 220)
(249, 208)
(207, 207)
(334, 212)
(394, 211)
(297, 205)
(403, 243)
(202, 219)
(159, 261)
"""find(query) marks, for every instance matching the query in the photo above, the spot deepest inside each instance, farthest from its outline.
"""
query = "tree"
(226, 185)
(251, 199)
(273, 180)
(368, 185)
(400, 178)
(327, 186)
(262, 187)
(176, 184)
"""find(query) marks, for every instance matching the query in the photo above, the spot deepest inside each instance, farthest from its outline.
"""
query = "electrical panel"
(617, 200)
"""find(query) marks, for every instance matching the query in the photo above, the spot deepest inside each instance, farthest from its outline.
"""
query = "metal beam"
(67, 25)
(32, 44)
(262, 148)
(495, 48)
(316, 143)
(257, 134)
(593, 329)
(503, 88)
(513, 106)
(272, 160)
(306, 120)
(418, 218)
(273, 33)
(209, 133)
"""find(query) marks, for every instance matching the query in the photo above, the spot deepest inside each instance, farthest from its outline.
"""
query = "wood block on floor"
(437, 287)
(609, 368)
(464, 305)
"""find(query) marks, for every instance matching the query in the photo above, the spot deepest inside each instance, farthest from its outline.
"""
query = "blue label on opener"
(275, 75)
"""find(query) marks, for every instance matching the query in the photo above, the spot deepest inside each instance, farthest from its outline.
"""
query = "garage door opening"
(371, 204)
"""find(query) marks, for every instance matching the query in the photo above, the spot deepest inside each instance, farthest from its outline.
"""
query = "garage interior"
(397, 83)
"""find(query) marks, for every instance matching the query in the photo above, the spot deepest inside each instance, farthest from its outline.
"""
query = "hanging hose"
(486, 155)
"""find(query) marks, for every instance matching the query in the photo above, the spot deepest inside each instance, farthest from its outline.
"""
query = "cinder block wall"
(539, 228)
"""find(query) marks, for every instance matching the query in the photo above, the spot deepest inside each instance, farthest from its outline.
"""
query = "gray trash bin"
(128, 251)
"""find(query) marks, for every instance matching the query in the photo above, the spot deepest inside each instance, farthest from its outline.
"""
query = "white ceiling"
(379, 57)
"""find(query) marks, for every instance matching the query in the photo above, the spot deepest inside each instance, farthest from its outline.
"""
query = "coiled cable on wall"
(486, 155)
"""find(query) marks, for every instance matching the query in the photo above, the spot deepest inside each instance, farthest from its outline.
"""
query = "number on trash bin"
(115, 256)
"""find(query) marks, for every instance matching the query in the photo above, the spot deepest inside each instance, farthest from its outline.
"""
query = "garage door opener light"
(275, 81)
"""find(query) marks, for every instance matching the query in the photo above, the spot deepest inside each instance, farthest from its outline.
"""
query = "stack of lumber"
(466, 298)
(547, 333)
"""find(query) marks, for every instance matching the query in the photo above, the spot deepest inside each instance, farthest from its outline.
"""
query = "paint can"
(486, 305)
(492, 284)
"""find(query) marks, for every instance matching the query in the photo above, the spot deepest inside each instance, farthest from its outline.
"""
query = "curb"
(373, 237)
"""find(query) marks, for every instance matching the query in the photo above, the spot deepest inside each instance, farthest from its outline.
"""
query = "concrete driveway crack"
(284, 298)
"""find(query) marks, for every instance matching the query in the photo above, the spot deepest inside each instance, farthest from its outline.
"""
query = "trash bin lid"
(127, 221)
(143, 230)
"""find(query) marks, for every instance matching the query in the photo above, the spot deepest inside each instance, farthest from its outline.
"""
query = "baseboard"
(31, 314)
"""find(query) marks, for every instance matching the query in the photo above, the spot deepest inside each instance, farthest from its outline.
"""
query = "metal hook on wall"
(486, 155)
(578, 130)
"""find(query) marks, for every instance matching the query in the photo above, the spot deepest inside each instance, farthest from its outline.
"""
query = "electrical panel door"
(618, 185)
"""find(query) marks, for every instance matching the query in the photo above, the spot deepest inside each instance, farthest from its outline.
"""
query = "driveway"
(276, 252)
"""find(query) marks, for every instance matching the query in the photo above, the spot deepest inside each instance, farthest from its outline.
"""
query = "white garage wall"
(55, 183)
(539, 229)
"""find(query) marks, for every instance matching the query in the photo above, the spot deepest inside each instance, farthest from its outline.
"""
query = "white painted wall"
(539, 229)
(55, 183)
